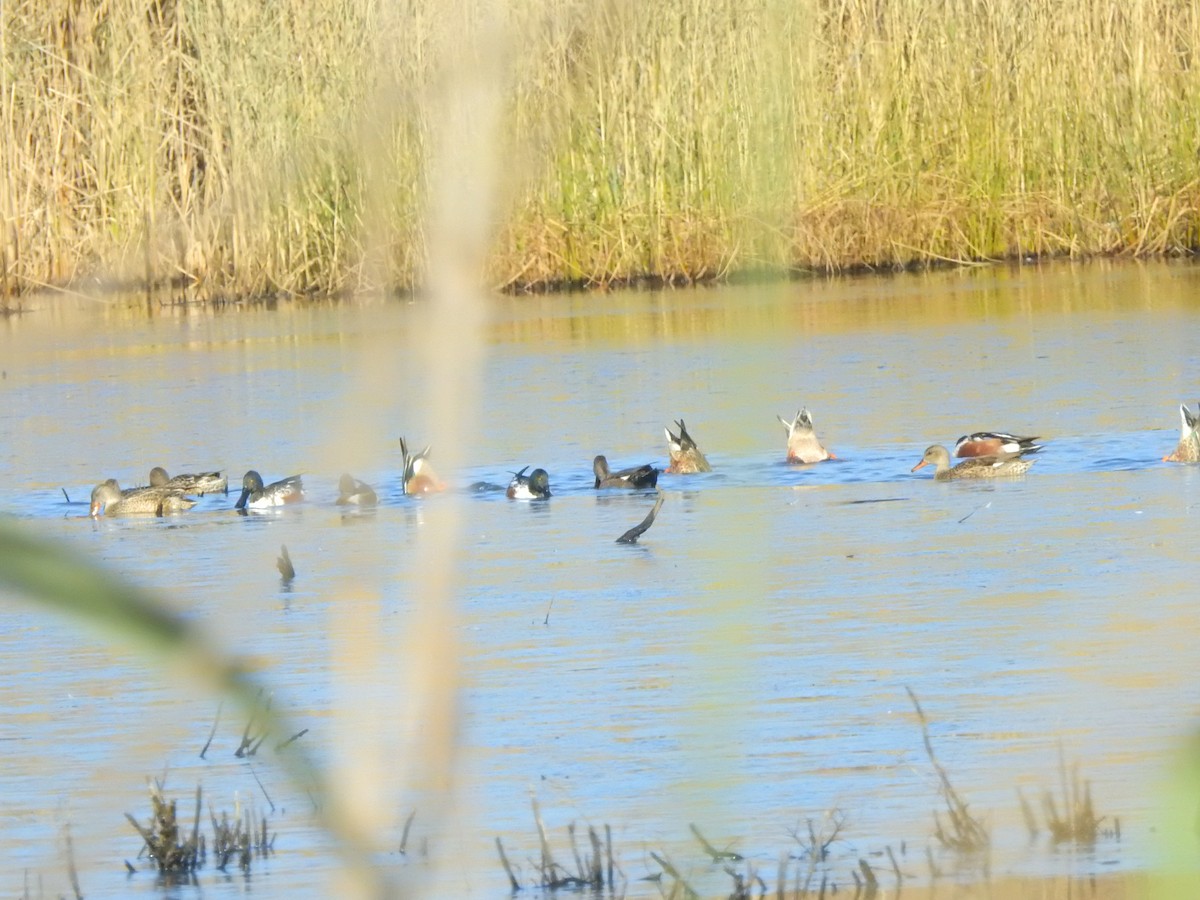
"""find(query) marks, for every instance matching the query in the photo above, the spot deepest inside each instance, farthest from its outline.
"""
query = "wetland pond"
(742, 668)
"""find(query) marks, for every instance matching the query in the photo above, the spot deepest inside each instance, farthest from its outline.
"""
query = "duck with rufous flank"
(802, 445)
(419, 477)
(1188, 448)
(686, 458)
(256, 495)
(994, 443)
(352, 492)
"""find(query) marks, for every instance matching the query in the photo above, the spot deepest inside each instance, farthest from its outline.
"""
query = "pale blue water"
(742, 668)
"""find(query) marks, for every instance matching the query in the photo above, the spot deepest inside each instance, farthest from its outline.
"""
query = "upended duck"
(686, 458)
(802, 445)
(352, 492)
(419, 477)
(1188, 448)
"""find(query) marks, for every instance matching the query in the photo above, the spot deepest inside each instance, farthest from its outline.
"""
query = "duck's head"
(600, 468)
(251, 482)
(539, 483)
(936, 455)
(103, 494)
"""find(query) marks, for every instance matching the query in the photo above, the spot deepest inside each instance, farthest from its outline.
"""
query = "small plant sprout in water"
(592, 870)
(1076, 823)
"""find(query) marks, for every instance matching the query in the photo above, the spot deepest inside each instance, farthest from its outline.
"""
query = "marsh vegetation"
(246, 148)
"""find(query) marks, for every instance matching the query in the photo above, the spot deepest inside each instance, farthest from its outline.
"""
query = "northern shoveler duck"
(639, 477)
(258, 496)
(200, 483)
(994, 443)
(109, 500)
(686, 457)
(352, 492)
(1188, 449)
(978, 467)
(419, 477)
(534, 486)
(803, 446)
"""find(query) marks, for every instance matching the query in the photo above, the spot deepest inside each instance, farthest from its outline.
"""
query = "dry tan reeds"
(246, 148)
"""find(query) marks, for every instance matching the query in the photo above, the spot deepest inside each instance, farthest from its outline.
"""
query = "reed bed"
(245, 148)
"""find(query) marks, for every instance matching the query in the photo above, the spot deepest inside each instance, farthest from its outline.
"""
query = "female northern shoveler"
(803, 446)
(201, 483)
(994, 443)
(1188, 449)
(352, 492)
(419, 477)
(109, 500)
(277, 493)
(639, 477)
(534, 486)
(979, 467)
(686, 457)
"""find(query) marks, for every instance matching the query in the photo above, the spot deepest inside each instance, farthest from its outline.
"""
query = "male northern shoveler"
(639, 477)
(534, 486)
(686, 457)
(994, 443)
(277, 493)
(352, 492)
(109, 500)
(201, 483)
(802, 445)
(999, 466)
(419, 476)
(1188, 449)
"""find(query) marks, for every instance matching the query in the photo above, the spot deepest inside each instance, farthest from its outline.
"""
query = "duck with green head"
(534, 486)
(256, 495)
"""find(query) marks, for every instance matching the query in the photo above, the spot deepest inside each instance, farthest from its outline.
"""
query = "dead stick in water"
(608, 843)
(260, 786)
(632, 535)
(547, 859)
(895, 868)
(512, 879)
(408, 824)
(208, 743)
